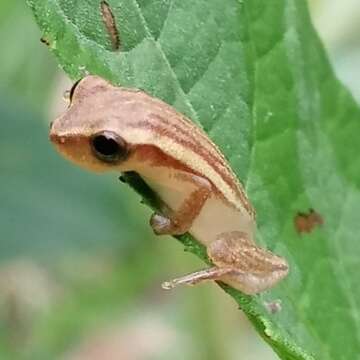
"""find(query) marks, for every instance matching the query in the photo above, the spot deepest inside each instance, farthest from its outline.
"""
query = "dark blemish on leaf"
(110, 24)
(45, 41)
(306, 222)
(273, 307)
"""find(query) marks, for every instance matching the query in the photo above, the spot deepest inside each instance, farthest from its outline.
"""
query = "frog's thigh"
(253, 269)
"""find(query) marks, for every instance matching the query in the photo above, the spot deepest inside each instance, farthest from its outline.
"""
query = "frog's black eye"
(109, 147)
(72, 90)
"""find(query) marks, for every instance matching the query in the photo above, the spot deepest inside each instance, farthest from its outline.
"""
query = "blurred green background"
(80, 270)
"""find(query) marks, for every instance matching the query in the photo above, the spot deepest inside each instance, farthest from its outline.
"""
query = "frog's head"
(91, 133)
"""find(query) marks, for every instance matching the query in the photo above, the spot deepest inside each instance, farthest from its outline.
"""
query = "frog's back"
(156, 122)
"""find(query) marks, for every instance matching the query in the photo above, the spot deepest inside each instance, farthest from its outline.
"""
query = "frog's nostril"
(53, 137)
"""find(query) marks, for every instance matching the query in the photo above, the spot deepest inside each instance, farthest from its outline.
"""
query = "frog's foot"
(239, 263)
(212, 273)
(163, 225)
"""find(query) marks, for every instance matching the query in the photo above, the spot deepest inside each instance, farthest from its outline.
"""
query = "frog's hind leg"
(239, 263)
(254, 269)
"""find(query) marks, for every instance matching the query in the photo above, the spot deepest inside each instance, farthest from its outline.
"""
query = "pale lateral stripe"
(197, 136)
(194, 140)
(194, 161)
(177, 119)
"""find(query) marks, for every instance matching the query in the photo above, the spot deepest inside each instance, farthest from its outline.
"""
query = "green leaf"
(255, 76)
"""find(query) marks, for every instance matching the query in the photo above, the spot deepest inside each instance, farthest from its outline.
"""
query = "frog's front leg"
(239, 263)
(179, 221)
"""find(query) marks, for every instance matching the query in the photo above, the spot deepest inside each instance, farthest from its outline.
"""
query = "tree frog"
(119, 129)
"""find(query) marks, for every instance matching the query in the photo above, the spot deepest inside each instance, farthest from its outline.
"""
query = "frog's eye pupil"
(108, 147)
(105, 146)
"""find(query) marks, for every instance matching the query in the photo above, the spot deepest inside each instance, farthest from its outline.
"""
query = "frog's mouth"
(77, 149)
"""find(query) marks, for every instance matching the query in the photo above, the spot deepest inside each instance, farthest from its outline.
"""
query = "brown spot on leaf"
(45, 41)
(306, 222)
(110, 24)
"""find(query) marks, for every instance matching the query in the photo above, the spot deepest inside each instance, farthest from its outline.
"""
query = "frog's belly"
(215, 217)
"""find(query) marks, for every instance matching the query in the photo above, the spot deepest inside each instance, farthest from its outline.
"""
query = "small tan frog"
(113, 128)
